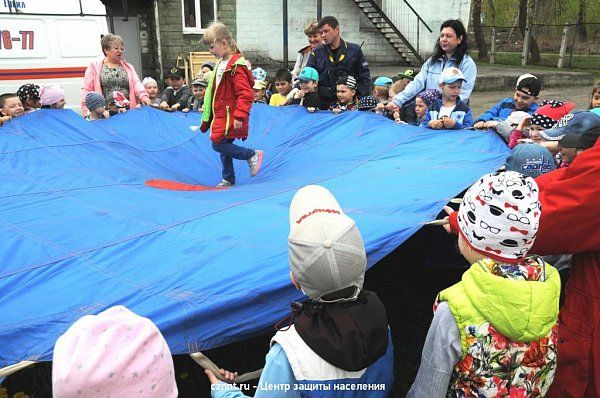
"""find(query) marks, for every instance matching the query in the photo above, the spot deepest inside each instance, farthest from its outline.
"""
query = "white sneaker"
(224, 184)
(255, 162)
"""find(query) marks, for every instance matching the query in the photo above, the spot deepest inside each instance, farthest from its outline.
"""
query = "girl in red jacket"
(227, 103)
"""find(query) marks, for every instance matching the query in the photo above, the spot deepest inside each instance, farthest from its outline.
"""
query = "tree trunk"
(581, 31)
(479, 35)
(534, 50)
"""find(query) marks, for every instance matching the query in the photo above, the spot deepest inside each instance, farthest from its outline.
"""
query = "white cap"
(451, 75)
(516, 117)
(326, 250)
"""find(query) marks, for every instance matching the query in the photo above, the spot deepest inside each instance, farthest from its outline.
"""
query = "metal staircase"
(401, 14)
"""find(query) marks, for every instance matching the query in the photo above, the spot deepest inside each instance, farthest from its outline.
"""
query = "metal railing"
(403, 15)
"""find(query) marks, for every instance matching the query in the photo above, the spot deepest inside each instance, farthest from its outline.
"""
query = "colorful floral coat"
(507, 321)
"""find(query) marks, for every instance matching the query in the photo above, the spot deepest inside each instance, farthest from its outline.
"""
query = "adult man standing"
(337, 58)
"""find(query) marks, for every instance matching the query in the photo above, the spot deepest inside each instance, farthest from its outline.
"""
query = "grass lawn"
(586, 63)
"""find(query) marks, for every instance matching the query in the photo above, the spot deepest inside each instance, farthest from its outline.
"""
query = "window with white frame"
(197, 14)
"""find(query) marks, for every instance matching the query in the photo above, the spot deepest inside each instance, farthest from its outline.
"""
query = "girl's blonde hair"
(595, 90)
(217, 31)
(383, 92)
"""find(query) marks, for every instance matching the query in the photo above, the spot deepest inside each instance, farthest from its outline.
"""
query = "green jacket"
(521, 310)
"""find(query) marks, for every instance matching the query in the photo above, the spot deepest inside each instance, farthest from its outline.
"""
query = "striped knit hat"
(348, 81)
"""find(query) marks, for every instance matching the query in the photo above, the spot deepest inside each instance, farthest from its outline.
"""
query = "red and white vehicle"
(49, 42)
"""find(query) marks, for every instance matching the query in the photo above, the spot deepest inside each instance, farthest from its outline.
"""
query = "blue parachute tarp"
(82, 232)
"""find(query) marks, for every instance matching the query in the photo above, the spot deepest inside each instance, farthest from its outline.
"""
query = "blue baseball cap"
(383, 81)
(532, 160)
(583, 140)
(572, 123)
(309, 73)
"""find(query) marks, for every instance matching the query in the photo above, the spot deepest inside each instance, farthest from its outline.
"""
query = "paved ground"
(490, 78)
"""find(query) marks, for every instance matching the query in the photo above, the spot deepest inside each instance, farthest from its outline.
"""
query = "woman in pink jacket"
(113, 74)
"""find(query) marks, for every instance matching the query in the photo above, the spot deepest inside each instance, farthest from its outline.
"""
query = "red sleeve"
(244, 95)
(453, 221)
(515, 135)
(570, 221)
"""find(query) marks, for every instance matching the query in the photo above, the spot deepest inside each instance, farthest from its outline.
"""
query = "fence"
(560, 45)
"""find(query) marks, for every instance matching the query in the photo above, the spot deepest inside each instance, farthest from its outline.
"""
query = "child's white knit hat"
(326, 250)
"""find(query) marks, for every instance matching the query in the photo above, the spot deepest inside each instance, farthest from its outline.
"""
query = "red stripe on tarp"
(41, 73)
(179, 186)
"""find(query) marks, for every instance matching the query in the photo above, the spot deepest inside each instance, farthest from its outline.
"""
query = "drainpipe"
(158, 44)
(285, 34)
(319, 9)
(125, 10)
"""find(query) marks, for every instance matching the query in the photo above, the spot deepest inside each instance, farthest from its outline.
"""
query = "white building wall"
(433, 14)
(260, 28)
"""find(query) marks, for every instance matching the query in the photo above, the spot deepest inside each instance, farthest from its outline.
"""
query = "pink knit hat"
(51, 94)
(113, 354)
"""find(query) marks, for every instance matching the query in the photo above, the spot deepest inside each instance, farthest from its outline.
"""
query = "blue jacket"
(336, 349)
(350, 61)
(428, 77)
(502, 110)
(461, 114)
(282, 378)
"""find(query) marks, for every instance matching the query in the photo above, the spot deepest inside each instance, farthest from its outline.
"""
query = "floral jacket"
(507, 321)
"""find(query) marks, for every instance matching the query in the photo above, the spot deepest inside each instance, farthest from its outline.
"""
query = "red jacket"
(570, 221)
(230, 99)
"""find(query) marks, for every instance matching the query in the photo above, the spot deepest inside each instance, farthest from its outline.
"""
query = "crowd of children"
(479, 344)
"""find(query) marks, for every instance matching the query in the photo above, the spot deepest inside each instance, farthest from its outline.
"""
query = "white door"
(130, 32)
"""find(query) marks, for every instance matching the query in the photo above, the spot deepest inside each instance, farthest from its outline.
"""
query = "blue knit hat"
(94, 101)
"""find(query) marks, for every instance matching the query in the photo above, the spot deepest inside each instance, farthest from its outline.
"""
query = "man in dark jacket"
(337, 58)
